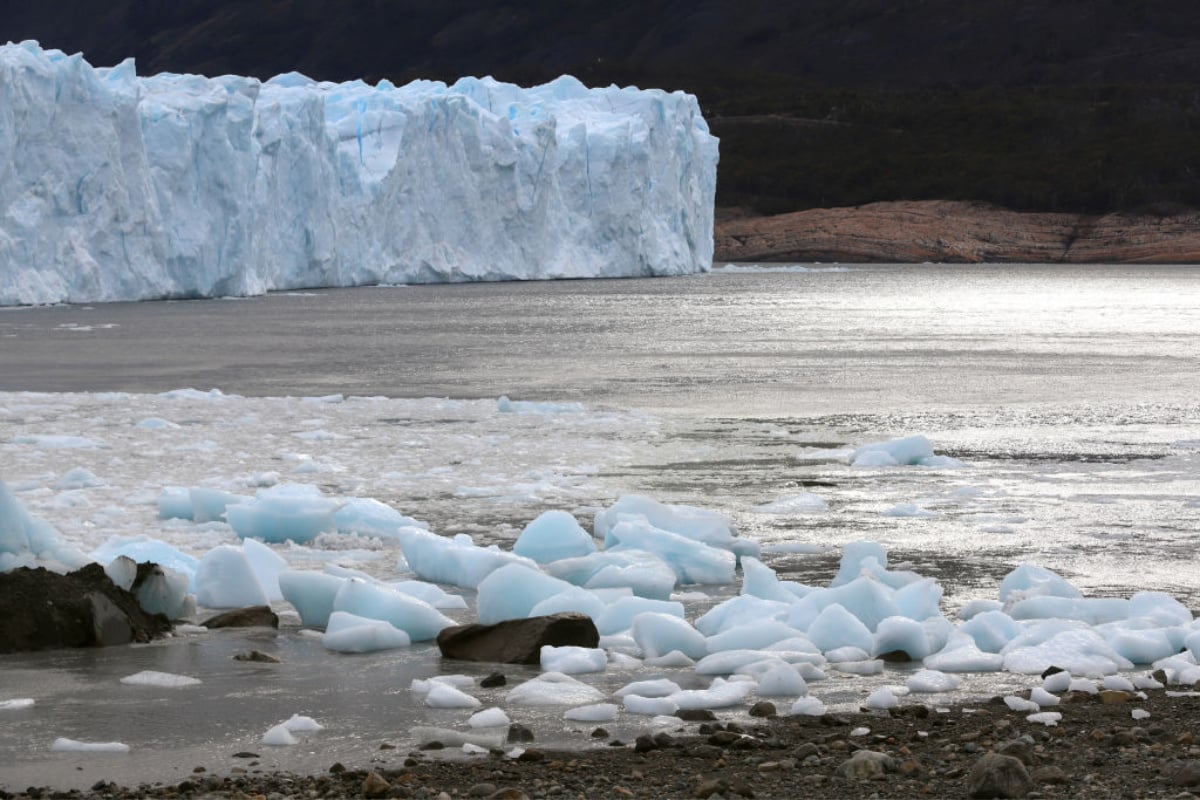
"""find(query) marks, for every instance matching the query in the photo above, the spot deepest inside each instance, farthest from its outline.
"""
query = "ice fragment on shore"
(149, 677)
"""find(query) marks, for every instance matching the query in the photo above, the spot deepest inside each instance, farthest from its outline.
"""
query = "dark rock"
(375, 786)
(1187, 775)
(763, 708)
(482, 790)
(434, 745)
(805, 750)
(599, 733)
(1049, 774)
(517, 641)
(337, 768)
(256, 655)
(519, 733)
(710, 786)
(1051, 670)
(995, 775)
(248, 754)
(1018, 749)
(664, 739)
(644, 743)
(866, 765)
(723, 738)
(532, 755)
(493, 680)
(249, 617)
(40, 610)
(696, 715)
(705, 751)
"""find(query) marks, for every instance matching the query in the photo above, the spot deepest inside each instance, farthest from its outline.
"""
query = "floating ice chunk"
(914, 510)
(840, 655)
(573, 599)
(1160, 609)
(58, 442)
(872, 666)
(62, 744)
(166, 680)
(655, 687)
(621, 661)
(932, 681)
(671, 659)
(122, 571)
(643, 572)
(907, 451)
(973, 608)
(961, 654)
(1140, 714)
(209, 505)
(1147, 682)
(755, 637)
(288, 511)
(1092, 610)
(506, 406)
(692, 560)
(882, 698)
(619, 615)
(571, 660)
(553, 689)
(417, 618)
(1043, 698)
(279, 736)
(1048, 718)
(175, 502)
(780, 679)
(266, 564)
(854, 556)
(513, 590)
(164, 591)
(649, 706)
(720, 694)
(806, 503)
(1031, 580)
(760, 580)
(423, 685)
(372, 518)
(658, 634)
(28, 541)
(298, 723)
(16, 704)
(901, 634)
(1057, 682)
(457, 562)
(597, 712)
(697, 524)
(836, 627)
(740, 611)
(1118, 683)
(991, 630)
(312, 594)
(445, 696)
(226, 579)
(350, 633)
(435, 595)
(154, 424)
(552, 536)
(78, 478)
(489, 718)
(1140, 646)
(474, 749)
(1080, 651)
(1082, 685)
(1015, 703)
(807, 707)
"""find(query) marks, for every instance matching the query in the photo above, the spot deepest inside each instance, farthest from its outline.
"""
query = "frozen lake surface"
(1069, 391)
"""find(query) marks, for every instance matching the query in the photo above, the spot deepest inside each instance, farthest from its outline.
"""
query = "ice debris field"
(352, 575)
(127, 187)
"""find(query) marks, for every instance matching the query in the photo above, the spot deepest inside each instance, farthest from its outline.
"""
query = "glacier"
(121, 187)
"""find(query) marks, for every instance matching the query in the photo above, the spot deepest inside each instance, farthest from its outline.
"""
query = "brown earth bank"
(1098, 750)
(958, 232)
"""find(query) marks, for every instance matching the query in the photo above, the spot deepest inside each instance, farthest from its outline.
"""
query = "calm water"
(1071, 392)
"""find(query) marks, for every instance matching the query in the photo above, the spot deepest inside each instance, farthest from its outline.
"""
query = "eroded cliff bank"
(946, 231)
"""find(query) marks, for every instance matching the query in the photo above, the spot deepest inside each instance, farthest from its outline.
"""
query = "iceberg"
(128, 187)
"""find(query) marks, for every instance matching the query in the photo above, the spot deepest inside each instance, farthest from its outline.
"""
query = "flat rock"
(249, 617)
(517, 641)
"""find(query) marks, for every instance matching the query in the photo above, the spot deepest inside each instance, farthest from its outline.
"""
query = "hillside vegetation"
(1074, 105)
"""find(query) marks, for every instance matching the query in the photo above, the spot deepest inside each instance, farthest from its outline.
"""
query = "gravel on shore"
(1101, 748)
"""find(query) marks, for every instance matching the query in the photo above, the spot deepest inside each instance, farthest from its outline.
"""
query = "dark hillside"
(1066, 105)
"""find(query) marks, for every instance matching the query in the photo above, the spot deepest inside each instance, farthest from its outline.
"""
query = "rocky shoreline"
(957, 232)
(1100, 749)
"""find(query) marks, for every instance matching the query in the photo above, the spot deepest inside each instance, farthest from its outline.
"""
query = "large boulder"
(996, 775)
(248, 617)
(42, 610)
(517, 641)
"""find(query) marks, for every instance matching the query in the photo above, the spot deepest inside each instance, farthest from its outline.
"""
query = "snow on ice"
(127, 187)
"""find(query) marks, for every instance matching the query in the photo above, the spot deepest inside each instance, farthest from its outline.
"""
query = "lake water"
(1070, 393)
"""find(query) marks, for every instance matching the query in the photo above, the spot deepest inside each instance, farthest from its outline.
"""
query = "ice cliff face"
(119, 187)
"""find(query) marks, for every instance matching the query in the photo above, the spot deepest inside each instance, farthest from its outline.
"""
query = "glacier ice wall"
(119, 187)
